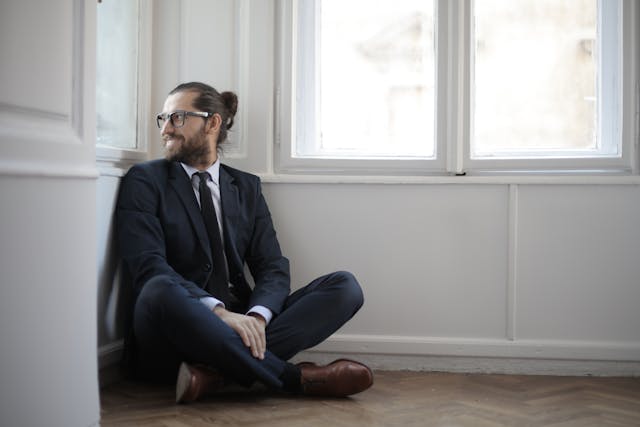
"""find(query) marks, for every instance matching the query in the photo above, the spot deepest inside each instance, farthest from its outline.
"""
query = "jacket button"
(207, 267)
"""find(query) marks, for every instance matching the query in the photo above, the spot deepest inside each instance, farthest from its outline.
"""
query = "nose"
(167, 124)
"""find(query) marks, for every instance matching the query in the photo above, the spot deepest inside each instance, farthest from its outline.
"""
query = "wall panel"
(48, 356)
(432, 259)
(578, 269)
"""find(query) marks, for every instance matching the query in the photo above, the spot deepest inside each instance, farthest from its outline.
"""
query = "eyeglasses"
(178, 117)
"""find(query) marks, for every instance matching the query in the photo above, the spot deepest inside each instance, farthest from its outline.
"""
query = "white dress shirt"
(214, 187)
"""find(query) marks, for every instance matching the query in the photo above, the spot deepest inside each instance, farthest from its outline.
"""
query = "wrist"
(258, 317)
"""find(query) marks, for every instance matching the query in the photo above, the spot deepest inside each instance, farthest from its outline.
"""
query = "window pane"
(535, 78)
(117, 73)
(375, 80)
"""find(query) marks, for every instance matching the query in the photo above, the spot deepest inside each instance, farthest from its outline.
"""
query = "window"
(121, 89)
(373, 76)
(421, 87)
(546, 82)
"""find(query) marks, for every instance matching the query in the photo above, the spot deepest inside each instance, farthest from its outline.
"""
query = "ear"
(213, 123)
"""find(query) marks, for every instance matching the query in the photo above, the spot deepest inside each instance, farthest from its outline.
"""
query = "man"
(186, 227)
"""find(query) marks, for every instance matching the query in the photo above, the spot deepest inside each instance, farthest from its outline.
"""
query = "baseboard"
(472, 347)
(109, 357)
(110, 375)
(110, 354)
(526, 357)
(480, 365)
(385, 352)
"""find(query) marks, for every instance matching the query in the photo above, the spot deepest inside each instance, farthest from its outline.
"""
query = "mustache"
(167, 137)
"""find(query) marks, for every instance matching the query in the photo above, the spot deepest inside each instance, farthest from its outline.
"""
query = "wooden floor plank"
(397, 398)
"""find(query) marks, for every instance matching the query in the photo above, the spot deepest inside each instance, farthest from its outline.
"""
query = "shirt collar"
(214, 171)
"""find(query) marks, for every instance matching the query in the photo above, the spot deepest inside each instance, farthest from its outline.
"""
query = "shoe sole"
(183, 383)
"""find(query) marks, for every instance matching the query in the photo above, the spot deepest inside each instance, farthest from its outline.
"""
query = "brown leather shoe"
(339, 378)
(194, 381)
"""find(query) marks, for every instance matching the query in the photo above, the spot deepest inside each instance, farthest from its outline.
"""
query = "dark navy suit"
(164, 244)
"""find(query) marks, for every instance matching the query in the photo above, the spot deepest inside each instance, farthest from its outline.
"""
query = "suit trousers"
(171, 326)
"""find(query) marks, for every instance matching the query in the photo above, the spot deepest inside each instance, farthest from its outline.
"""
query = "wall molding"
(35, 169)
(472, 347)
(512, 262)
(480, 365)
(238, 146)
(21, 112)
(78, 55)
(480, 356)
(525, 357)
(22, 125)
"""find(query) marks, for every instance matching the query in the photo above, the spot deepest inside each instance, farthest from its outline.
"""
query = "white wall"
(542, 272)
(459, 273)
(48, 358)
(503, 274)
(113, 299)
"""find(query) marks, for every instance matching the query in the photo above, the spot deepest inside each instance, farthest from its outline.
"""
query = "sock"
(291, 378)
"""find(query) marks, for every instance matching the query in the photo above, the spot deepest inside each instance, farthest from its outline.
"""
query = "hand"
(250, 328)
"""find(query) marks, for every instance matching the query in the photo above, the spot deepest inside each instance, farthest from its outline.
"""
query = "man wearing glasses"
(187, 225)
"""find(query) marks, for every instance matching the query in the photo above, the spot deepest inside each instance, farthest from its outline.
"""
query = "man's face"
(188, 143)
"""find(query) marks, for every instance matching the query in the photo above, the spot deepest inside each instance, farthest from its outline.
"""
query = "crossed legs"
(171, 326)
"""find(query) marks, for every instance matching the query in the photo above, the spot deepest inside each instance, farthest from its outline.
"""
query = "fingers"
(244, 334)
(261, 339)
(257, 338)
(260, 336)
(253, 337)
(250, 330)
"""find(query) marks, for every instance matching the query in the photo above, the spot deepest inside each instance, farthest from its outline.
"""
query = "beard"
(188, 151)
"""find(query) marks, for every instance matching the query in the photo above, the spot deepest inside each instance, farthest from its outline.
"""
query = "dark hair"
(211, 101)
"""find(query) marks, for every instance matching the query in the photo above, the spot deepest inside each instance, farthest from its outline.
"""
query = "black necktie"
(218, 284)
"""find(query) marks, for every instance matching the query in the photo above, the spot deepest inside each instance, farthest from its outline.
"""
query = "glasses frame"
(162, 118)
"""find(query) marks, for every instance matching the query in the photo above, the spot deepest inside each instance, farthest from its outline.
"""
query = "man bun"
(230, 100)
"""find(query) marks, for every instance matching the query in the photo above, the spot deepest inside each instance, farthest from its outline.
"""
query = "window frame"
(107, 154)
(286, 104)
(609, 75)
(454, 40)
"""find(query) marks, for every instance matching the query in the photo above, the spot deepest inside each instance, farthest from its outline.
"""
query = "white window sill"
(116, 161)
(105, 153)
(572, 179)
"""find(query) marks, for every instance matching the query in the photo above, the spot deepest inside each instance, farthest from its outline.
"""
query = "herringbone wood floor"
(396, 399)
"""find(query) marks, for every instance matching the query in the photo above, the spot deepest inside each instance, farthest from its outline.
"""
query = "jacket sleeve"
(141, 240)
(269, 268)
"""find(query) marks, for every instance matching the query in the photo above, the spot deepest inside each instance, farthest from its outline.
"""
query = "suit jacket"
(161, 232)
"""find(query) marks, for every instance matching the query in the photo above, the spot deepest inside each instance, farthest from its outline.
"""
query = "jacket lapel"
(230, 209)
(181, 183)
